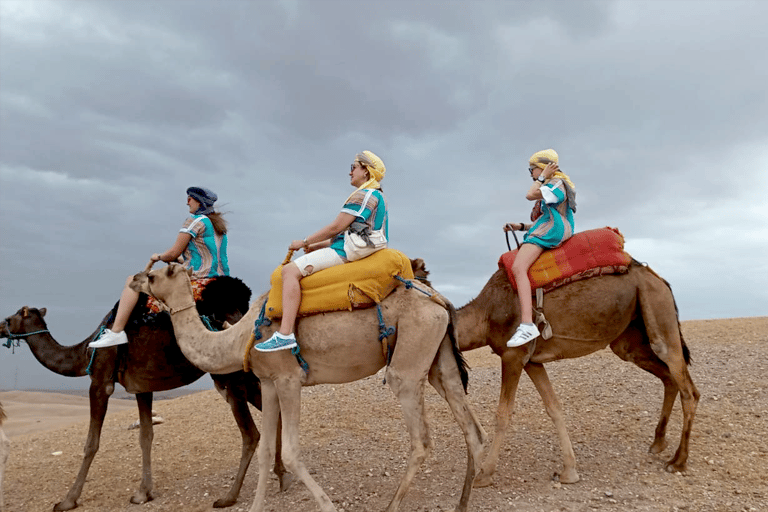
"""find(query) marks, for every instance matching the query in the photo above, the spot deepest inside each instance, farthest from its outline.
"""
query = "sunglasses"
(531, 169)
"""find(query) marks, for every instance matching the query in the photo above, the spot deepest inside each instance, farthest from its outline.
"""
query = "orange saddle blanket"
(357, 284)
(587, 254)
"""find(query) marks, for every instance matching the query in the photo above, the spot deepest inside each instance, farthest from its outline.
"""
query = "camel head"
(420, 271)
(164, 283)
(23, 321)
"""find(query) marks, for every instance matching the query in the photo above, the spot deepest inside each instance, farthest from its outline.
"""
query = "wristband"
(541, 179)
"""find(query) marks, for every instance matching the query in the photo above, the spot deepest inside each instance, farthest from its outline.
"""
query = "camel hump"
(587, 254)
(223, 294)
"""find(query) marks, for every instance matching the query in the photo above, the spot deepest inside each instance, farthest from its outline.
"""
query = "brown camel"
(5, 449)
(633, 313)
(151, 362)
(338, 347)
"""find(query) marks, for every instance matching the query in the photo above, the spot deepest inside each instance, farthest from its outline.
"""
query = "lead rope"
(14, 340)
(384, 334)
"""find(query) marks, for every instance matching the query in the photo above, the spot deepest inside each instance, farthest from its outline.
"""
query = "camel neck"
(213, 352)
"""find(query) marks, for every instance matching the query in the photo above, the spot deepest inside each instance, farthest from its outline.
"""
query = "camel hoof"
(482, 480)
(140, 498)
(65, 505)
(675, 468)
(224, 503)
(657, 447)
(570, 476)
(286, 481)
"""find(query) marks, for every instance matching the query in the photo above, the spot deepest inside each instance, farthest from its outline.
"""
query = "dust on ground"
(354, 442)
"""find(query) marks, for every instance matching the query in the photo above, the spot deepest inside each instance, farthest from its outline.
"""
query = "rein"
(166, 306)
(11, 336)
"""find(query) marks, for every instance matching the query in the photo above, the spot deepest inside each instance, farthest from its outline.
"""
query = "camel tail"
(2, 414)
(457, 354)
(686, 350)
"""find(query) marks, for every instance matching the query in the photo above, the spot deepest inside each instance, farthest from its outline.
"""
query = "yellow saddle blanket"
(357, 284)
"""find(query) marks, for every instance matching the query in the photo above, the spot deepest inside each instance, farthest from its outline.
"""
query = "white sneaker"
(109, 338)
(523, 334)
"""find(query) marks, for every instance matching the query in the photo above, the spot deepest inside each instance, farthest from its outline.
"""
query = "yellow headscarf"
(541, 158)
(375, 168)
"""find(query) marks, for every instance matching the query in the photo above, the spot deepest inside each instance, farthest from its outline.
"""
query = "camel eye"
(150, 278)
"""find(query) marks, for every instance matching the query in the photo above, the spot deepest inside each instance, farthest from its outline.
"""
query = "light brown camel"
(338, 347)
(633, 313)
(5, 449)
(151, 362)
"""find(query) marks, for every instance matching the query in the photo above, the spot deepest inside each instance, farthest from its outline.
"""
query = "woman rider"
(203, 242)
(555, 195)
(325, 247)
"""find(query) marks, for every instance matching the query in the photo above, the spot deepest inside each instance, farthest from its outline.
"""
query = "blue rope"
(261, 320)
(297, 352)
(93, 352)
(14, 340)
(207, 321)
(384, 333)
(409, 285)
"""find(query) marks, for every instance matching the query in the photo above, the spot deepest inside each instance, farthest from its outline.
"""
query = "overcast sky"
(109, 110)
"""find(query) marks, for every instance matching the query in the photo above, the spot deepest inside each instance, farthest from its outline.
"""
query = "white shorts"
(318, 260)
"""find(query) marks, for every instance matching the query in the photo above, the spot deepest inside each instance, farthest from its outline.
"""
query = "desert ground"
(354, 442)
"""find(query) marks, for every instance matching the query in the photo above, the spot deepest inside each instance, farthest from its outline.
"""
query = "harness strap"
(384, 334)
(539, 318)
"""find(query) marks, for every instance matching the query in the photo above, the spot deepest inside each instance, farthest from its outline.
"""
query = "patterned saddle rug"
(198, 285)
(591, 253)
(357, 284)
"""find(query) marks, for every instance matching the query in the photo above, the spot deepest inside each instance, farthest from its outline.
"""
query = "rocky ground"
(354, 442)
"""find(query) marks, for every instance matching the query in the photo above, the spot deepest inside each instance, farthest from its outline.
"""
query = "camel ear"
(169, 270)
(190, 271)
(43, 311)
(419, 268)
(25, 312)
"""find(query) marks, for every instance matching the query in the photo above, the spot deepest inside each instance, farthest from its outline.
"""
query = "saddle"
(358, 284)
(591, 253)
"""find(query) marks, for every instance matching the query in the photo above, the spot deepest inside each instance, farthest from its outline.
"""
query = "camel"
(633, 313)
(338, 347)
(5, 449)
(151, 362)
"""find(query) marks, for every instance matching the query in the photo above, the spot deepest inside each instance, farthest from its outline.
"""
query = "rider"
(325, 247)
(203, 242)
(552, 217)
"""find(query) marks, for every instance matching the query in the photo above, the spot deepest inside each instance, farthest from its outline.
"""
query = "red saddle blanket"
(595, 252)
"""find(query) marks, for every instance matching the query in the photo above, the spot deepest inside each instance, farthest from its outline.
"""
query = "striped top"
(555, 225)
(369, 206)
(206, 253)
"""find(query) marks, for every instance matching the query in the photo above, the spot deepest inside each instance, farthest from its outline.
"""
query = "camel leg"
(250, 440)
(511, 369)
(146, 436)
(269, 417)
(630, 347)
(410, 393)
(99, 394)
(5, 449)
(283, 400)
(445, 378)
(662, 327)
(538, 375)
(289, 394)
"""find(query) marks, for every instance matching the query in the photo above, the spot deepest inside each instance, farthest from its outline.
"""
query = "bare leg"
(128, 300)
(526, 255)
(291, 297)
